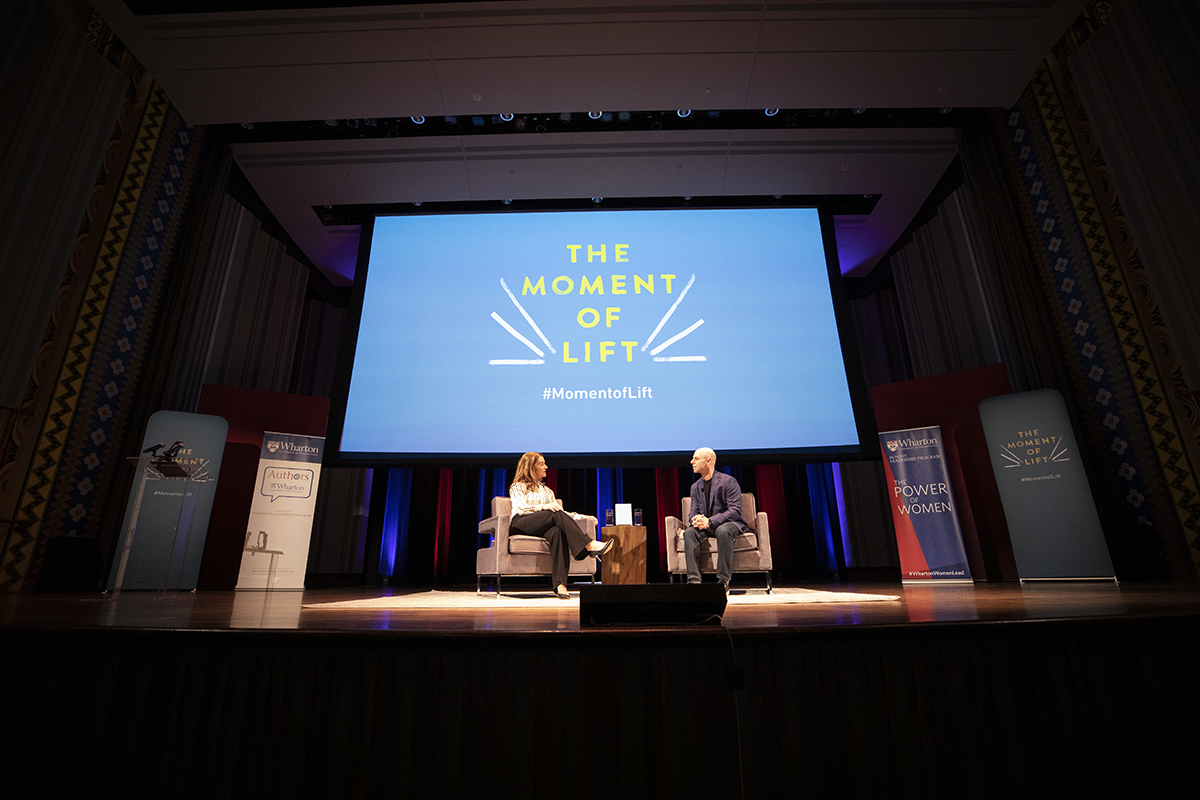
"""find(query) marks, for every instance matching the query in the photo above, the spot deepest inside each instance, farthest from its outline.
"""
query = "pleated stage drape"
(431, 514)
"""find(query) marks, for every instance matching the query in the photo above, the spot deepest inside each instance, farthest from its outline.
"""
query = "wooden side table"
(626, 561)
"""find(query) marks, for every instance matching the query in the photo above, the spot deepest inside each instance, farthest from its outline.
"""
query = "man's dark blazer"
(725, 499)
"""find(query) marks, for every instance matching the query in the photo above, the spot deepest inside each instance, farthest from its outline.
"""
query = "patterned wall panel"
(55, 123)
(81, 441)
(1129, 429)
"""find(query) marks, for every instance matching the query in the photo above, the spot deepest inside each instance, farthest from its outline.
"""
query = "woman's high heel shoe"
(561, 593)
(603, 549)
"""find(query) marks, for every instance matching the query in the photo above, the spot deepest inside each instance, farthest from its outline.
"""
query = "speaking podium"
(160, 520)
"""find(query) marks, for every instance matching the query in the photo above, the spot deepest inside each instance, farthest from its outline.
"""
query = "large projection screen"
(599, 336)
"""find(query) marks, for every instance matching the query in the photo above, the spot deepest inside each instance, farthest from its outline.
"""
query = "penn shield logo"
(272, 447)
(893, 446)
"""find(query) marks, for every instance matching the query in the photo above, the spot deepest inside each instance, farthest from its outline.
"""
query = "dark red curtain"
(666, 490)
(769, 480)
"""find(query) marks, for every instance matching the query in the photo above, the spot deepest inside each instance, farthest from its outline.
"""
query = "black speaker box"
(670, 604)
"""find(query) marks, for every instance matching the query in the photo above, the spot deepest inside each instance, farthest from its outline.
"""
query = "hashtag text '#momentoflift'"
(607, 393)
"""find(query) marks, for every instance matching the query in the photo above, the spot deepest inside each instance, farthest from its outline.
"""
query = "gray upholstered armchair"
(512, 554)
(751, 549)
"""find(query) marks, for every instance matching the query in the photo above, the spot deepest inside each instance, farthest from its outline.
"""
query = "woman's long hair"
(525, 475)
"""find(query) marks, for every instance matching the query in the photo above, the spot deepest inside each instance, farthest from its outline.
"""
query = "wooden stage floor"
(981, 604)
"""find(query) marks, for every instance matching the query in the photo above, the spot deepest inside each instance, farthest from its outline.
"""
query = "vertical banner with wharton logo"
(275, 553)
(1052, 520)
(928, 536)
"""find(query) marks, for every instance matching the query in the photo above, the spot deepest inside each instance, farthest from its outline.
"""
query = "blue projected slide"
(598, 332)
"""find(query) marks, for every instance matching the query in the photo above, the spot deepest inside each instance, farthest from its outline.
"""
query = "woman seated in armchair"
(537, 512)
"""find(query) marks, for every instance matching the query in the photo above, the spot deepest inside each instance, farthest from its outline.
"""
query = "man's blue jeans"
(726, 532)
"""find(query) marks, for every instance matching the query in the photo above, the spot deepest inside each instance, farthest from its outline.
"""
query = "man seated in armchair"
(717, 512)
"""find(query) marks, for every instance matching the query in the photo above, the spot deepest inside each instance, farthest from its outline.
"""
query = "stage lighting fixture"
(945, 110)
(606, 116)
(595, 114)
(687, 197)
(418, 120)
(519, 124)
(333, 123)
(770, 112)
(597, 199)
(417, 203)
(858, 111)
(714, 114)
(352, 123)
(477, 121)
(450, 120)
(507, 201)
(830, 112)
(506, 117)
(564, 117)
(248, 126)
(370, 122)
(623, 116)
(684, 112)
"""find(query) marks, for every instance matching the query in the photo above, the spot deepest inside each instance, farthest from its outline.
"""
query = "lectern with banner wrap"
(171, 485)
(166, 516)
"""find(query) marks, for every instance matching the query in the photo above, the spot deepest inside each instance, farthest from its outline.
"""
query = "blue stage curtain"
(394, 544)
(824, 514)
(843, 526)
(499, 484)
(610, 490)
(492, 483)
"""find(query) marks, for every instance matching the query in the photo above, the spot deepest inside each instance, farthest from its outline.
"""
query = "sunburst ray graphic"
(655, 352)
(520, 362)
(1014, 460)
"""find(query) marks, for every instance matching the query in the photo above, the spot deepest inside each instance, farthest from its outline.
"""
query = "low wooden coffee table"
(626, 561)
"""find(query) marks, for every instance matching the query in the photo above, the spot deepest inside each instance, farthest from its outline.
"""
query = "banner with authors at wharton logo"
(275, 552)
(928, 535)
(1052, 520)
